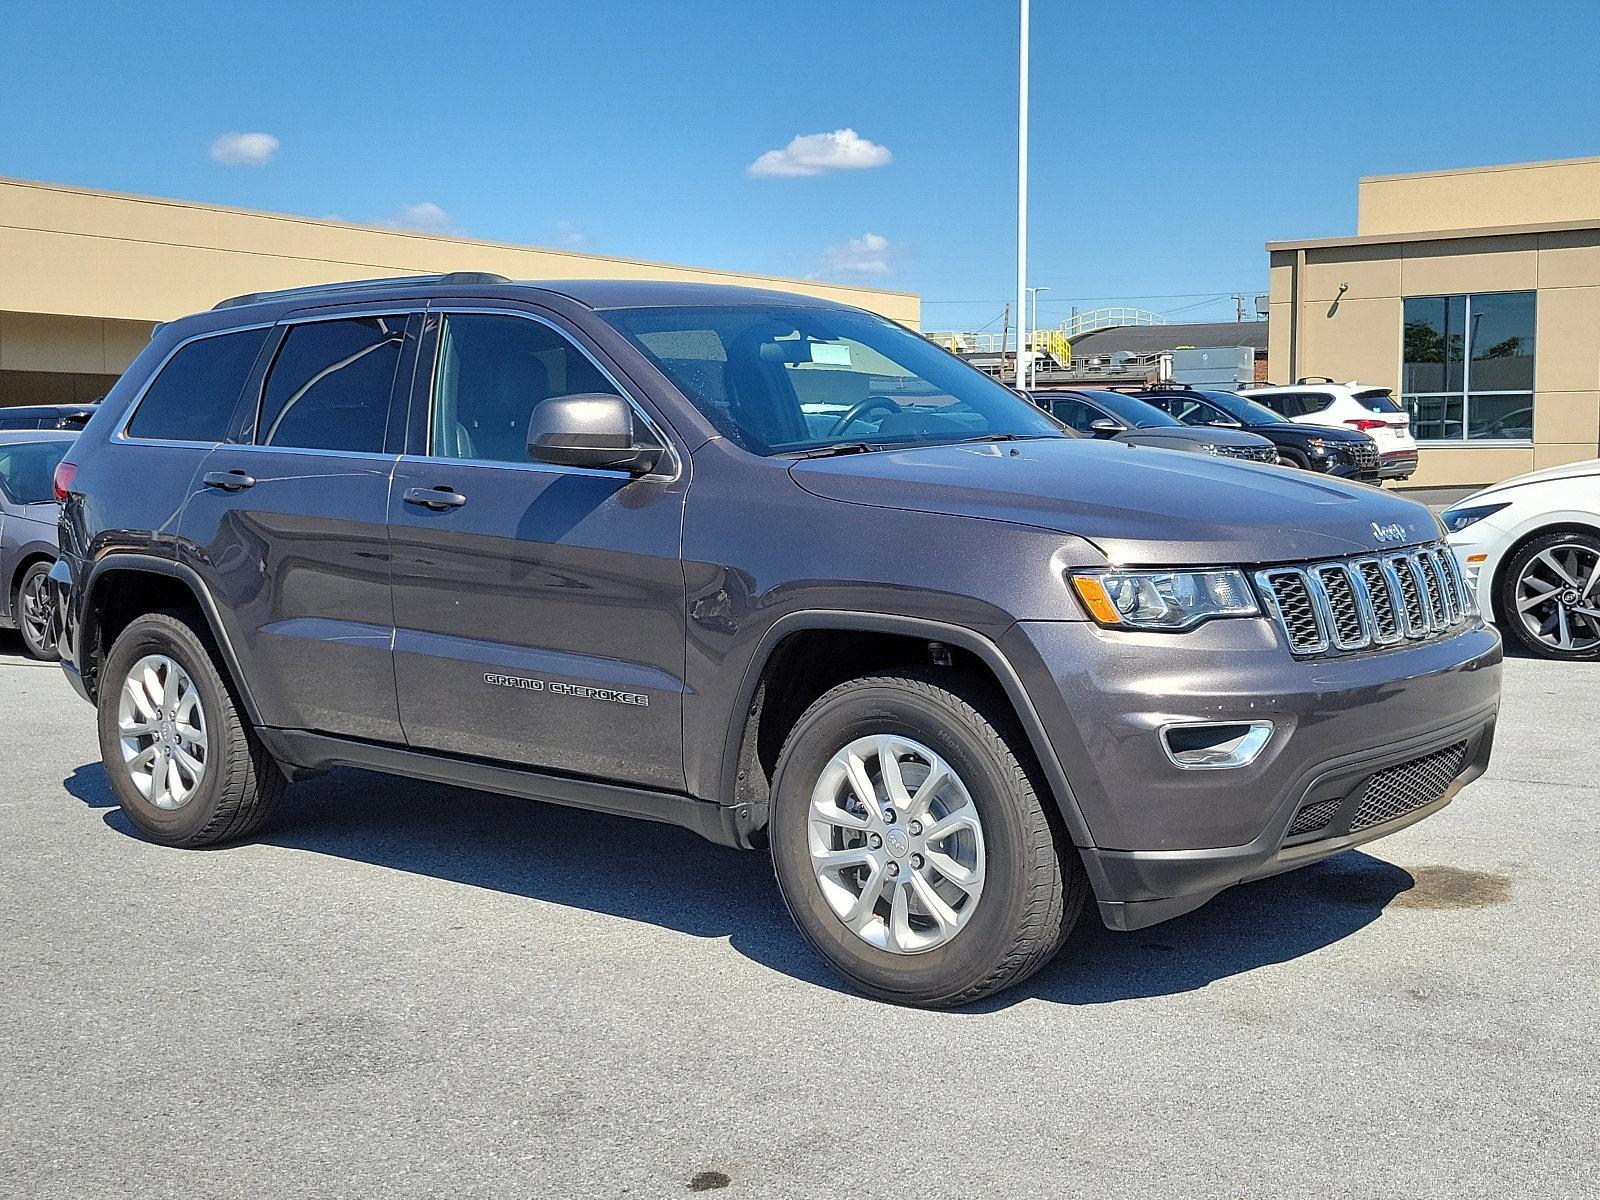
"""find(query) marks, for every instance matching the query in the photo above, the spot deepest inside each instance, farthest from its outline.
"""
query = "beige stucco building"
(84, 275)
(1475, 295)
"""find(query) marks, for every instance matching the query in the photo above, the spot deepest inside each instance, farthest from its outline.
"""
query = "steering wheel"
(861, 409)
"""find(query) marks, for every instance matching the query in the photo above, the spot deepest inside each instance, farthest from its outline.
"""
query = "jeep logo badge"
(1389, 533)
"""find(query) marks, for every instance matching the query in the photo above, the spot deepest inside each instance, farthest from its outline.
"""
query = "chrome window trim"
(446, 309)
(121, 433)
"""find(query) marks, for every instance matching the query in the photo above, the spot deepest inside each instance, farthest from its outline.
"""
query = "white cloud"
(426, 217)
(569, 235)
(864, 255)
(244, 149)
(818, 153)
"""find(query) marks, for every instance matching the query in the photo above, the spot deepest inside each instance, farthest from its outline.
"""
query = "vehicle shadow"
(668, 877)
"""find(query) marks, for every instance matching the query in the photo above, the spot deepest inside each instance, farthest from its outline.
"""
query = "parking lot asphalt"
(410, 990)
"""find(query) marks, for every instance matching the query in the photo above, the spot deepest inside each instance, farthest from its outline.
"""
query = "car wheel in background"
(1293, 458)
(1548, 600)
(911, 843)
(35, 613)
(184, 766)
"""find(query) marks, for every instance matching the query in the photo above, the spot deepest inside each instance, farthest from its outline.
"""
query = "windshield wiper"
(831, 451)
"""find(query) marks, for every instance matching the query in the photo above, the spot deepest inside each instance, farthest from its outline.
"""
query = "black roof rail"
(358, 285)
(1305, 379)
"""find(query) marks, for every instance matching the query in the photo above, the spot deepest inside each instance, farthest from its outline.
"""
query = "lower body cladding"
(1200, 760)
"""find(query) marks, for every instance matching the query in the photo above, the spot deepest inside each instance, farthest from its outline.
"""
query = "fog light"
(1215, 745)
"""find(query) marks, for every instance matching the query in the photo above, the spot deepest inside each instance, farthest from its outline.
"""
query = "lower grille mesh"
(1394, 792)
(1314, 816)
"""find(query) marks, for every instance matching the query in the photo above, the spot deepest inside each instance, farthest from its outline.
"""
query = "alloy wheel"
(36, 612)
(896, 844)
(1558, 597)
(162, 726)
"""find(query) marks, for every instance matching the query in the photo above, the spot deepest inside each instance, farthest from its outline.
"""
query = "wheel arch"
(742, 786)
(178, 582)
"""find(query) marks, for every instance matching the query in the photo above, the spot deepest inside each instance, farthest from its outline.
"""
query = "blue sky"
(1170, 139)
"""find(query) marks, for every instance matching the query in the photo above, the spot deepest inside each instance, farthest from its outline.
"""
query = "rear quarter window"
(193, 396)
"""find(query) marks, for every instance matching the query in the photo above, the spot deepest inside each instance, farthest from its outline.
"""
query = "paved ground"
(408, 990)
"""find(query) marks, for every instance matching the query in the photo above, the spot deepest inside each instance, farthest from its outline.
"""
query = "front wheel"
(1549, 596)
(35, 613)
(911, 844)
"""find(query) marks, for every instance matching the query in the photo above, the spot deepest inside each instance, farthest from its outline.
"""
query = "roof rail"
(1305, 379)
(357, 285)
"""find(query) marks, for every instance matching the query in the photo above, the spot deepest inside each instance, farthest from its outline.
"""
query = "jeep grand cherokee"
(764, 566)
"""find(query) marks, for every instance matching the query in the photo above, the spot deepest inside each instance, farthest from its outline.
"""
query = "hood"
(1589, 468)
(1198, 435)
(1139, 505)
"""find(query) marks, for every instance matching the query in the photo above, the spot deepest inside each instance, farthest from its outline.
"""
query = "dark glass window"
(1468, 366)
(492, 370)
(27, 469)
(1075, 414)
(193, 397)
(329, 386)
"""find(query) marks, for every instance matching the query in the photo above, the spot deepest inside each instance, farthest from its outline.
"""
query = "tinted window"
(1379, 400)
(329, 385)
(1136, 413)
(1468, 367)
(780, 378)
(193, 397)
(26, 470)
(491, 372)
(1075, 414)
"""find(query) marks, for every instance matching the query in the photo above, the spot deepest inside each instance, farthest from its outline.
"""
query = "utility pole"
(1022, 196)
(1005, 340)
(1033, 324)
(1238, 305)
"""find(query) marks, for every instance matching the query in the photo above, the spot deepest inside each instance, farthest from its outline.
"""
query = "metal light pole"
(1022, 198)
(1033, 323)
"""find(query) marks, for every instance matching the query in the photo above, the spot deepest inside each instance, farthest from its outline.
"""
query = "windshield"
(27, 468)
(778, 379)
(1136, 413)
(1204, 407)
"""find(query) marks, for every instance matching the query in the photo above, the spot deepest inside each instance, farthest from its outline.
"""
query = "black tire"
(240, 782)
(1505, 597)
(1032, 892)
(1293, 458)
(35, 645)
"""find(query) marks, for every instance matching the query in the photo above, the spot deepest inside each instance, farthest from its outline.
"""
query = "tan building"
(84, 275)
(1475, 295)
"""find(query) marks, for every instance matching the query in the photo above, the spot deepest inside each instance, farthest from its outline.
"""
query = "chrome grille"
(1399, 790)
(1355, 604)
(1264, 454)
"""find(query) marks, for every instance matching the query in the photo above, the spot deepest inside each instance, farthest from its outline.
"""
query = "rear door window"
(329, 386)
(193, 397)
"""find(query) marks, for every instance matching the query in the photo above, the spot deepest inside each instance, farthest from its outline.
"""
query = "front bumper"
(1163, 839)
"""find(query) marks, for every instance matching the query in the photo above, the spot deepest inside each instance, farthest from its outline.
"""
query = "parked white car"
(1530, 549)
(1372, 410)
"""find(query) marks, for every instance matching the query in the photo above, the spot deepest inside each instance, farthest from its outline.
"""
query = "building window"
(1468, 367)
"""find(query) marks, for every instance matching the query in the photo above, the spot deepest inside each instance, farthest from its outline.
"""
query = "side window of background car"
(193, 397)
(329, 386)
(1075, 414)
(491, 372)
(1314, 402)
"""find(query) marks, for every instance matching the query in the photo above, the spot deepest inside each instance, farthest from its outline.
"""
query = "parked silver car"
(28, 513)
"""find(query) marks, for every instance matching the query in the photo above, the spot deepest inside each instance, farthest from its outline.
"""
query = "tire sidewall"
(166, 636)
(43, 653)
(971, 954)
(1506, 597)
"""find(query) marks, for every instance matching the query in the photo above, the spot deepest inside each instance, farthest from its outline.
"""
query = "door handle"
(437, 498)
(229, 481)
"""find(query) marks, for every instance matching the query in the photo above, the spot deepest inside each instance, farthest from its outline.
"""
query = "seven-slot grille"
(1371, 602)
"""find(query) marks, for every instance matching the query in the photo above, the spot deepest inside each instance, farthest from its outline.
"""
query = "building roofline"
(581, 256)
(1521, 166)
(1435, 235)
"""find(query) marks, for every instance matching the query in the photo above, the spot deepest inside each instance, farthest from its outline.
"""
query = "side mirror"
(592, 429)
(1225, 423)
(1105, 428)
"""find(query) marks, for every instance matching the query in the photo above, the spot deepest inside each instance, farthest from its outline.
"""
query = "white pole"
(1022, 200)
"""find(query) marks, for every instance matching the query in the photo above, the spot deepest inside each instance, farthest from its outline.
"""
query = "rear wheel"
(911, 844)
(1549, 596)
(184, 766)
(35, 613)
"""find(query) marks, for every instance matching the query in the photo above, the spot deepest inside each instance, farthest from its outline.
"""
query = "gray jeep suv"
(763, 566)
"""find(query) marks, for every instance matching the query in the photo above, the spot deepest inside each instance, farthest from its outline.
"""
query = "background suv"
(764, 566)
(1370, 410)
(1116, 416)
(1343, 453)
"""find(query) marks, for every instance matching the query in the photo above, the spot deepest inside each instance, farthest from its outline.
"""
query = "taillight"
(65, 473)
(1366, 423)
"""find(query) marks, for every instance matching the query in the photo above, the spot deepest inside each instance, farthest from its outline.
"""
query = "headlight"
(1316, 445)
(1163, 599)
(1457, 519)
